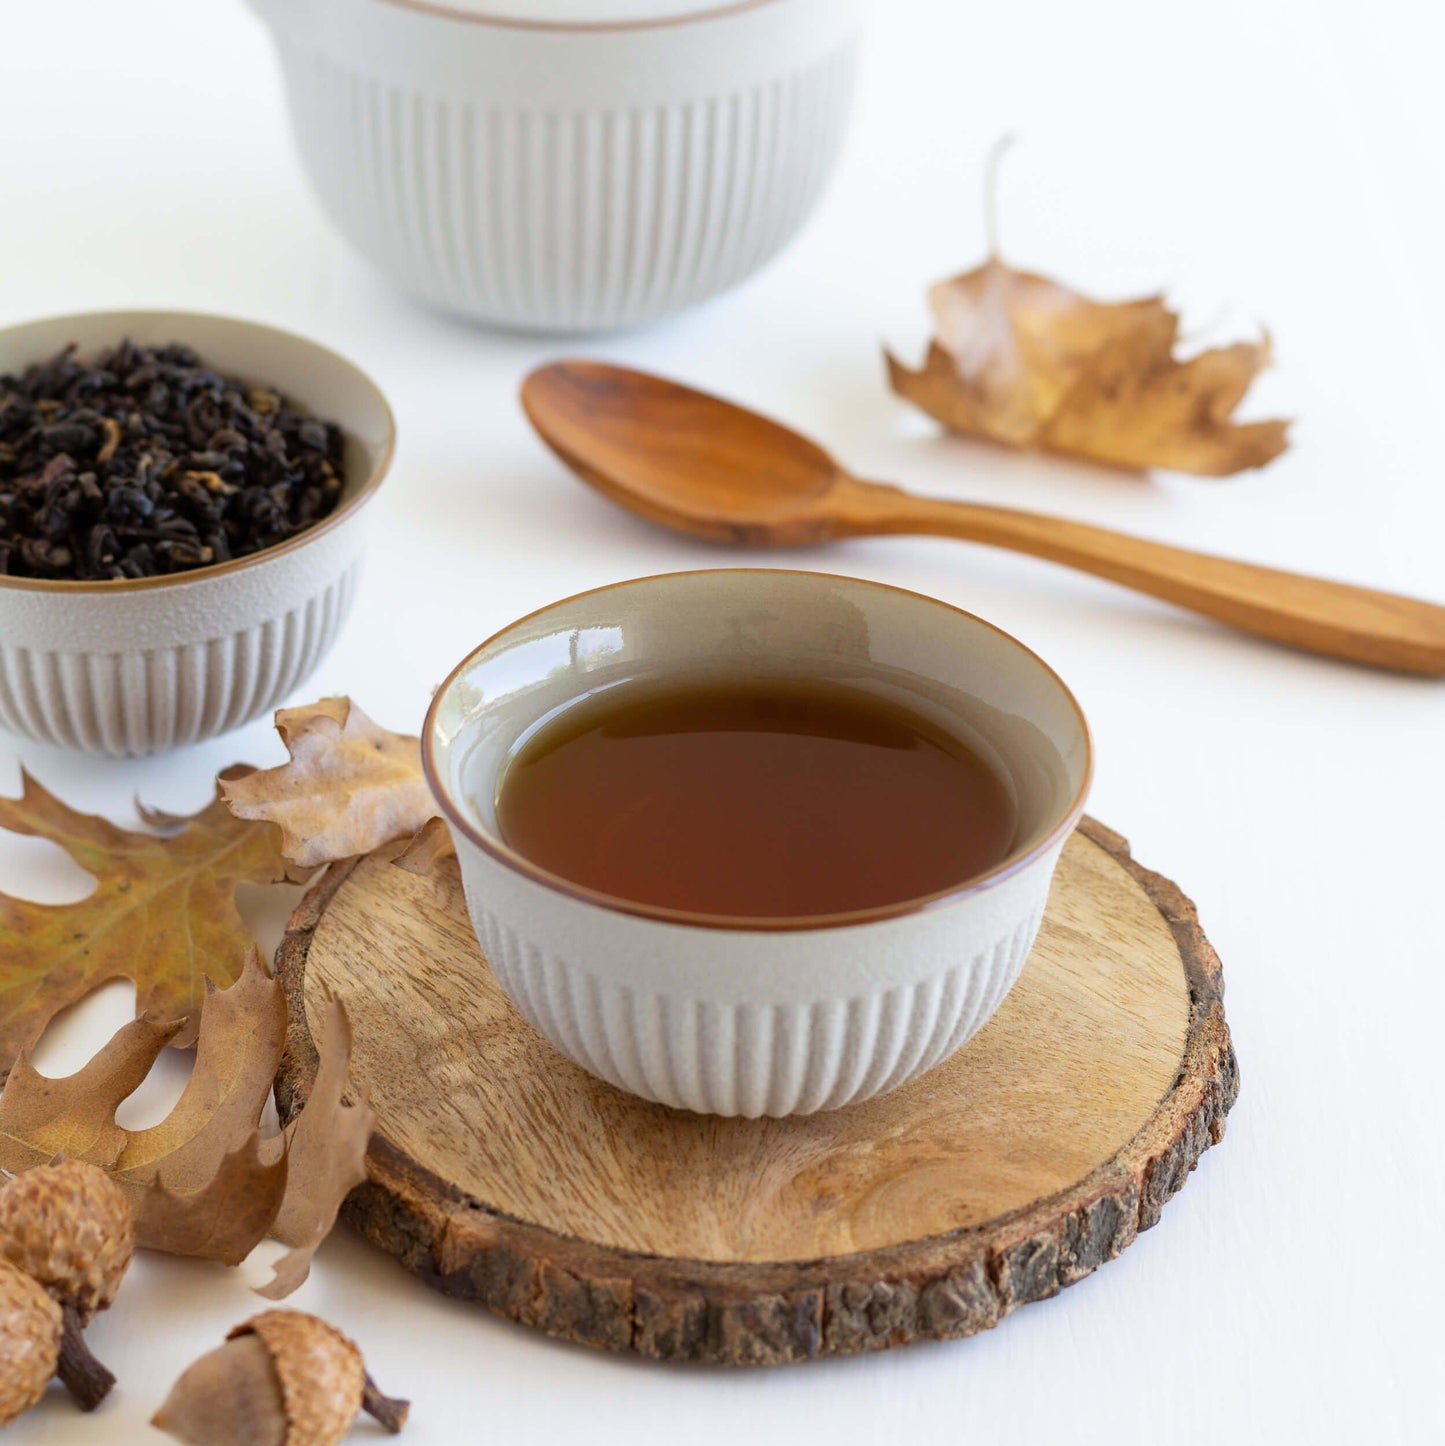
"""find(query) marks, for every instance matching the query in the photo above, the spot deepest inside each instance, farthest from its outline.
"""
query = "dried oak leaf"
(162, 914)
(1021, 360)
(326, 1147)
(350, 786)
(217, 1116)
(428, 847)
(226, 1218)
(204, 1181)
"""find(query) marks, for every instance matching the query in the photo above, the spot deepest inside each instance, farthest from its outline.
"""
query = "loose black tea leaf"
(143, 461)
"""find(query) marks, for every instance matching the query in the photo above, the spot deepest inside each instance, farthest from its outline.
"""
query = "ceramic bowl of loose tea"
(182, 512)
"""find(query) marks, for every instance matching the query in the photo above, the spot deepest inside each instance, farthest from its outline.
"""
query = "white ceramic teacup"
(757, 1017)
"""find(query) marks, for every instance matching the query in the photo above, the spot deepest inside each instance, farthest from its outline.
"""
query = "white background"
(1265, 160)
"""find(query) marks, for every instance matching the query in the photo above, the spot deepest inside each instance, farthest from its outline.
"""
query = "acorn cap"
(30, 1326)
(70, 1227)
(321, 1373)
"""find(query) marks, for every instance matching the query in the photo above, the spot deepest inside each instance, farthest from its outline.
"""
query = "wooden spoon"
(700, 465)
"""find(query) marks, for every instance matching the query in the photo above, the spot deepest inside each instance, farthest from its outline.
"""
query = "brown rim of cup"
(441, 10)
(349, 503)
(457, 817)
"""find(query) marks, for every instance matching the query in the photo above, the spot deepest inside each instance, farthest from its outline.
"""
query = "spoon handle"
(1382, 629)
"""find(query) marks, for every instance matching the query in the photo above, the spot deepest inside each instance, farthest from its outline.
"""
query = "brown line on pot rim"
(441, 11)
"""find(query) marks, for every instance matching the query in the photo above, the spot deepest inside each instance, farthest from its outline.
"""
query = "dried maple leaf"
(204, 1181)
(349, 788)
(162, 914)
(1019, 359)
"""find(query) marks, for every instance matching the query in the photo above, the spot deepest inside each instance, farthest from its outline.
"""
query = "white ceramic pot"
(132, 667)
(560, 167)
(767, 1017)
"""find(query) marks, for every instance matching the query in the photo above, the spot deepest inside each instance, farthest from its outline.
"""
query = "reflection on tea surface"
(754, 798)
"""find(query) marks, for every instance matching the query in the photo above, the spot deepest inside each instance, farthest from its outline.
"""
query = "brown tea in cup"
(753, 798)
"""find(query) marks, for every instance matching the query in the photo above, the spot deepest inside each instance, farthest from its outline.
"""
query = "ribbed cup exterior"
(754, 1059)
(752, 1022)
(142, 700)
(564, 183)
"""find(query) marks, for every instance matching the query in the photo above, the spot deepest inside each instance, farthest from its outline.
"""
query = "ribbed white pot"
(763, 1017)
(560, 176)
(136, 667)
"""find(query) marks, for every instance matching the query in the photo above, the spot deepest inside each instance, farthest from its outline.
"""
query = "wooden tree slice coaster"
(502, 1173)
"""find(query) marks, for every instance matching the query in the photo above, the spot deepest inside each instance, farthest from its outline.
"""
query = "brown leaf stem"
(391, 1412)
(1001, 147)
(84, 1377)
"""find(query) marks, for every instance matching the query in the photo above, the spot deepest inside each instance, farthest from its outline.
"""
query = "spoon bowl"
(682, 458)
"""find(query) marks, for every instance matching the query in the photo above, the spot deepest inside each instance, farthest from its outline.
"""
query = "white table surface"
(1264, 161)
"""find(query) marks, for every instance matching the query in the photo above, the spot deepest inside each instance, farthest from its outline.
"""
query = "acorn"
(30, 1330)
(283, 1378)
(69, 1227)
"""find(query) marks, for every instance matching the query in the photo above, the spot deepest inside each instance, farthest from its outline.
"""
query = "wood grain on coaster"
(503, 1173)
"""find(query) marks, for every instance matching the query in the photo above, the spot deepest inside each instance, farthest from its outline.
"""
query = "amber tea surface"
(754, 799)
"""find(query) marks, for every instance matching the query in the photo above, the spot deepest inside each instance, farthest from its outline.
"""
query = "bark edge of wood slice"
(746, 1312)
